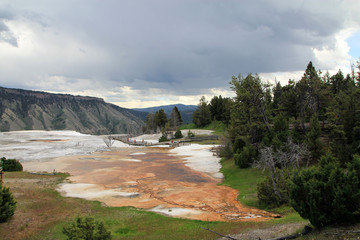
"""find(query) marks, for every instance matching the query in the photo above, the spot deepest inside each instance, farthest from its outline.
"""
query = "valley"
(180, 183)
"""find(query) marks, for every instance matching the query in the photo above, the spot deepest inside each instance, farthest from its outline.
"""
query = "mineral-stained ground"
(149, 178)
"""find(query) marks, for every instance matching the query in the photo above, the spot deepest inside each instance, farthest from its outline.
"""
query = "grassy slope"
(245, 181)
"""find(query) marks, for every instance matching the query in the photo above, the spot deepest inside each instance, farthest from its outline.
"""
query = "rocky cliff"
(32, 110)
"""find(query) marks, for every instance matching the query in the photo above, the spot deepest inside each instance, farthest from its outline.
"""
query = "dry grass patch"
(38, 204)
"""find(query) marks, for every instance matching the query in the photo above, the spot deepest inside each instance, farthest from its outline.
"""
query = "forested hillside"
(186, 111)
(28, 110)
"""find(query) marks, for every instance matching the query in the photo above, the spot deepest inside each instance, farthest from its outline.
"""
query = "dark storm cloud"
(5, 34)
(183, 45)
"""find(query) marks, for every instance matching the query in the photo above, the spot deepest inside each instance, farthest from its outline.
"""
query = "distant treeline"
(159, 122)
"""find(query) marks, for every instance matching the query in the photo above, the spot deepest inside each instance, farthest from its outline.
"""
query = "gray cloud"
(181, 47)
(5, 34)
(5, 14)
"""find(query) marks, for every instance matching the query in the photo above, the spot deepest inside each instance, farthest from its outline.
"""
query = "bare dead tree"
(288, 159)
(109, 141)
(297, 153)
(268, 160)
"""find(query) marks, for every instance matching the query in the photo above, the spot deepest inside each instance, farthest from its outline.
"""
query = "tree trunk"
(274, 182)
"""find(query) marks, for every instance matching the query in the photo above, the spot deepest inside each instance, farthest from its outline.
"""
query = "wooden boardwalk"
(171, 143)
(131, 142)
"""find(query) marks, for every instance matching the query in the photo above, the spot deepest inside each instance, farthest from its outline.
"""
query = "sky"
(142, 53)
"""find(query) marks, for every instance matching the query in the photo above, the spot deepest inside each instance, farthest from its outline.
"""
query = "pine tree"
(150, 123)
(7, 204)
(160, 118)
(202, 115)
(175, 118)
(313, 141)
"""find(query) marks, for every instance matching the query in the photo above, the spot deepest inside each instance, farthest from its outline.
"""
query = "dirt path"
(266, 232)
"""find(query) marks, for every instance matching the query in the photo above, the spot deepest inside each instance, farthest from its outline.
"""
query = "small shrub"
(7, 204)
(163, 139)
(178, 134)
(190, 134)
(226, 151)
(245, 158)
(266, 193)
(86, 228)
(238, 145)
(328, 194)
(11, 165)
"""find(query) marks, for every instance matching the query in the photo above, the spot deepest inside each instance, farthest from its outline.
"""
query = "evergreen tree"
(10, 165)
(280, 132)
(178, 134)
(338, 145)
(220, 109)
(202, 115)
(328, 194)
(338, 82)
(161, 118)
(313, 141)
(7, 204)
(150, 121)
(310, 91)
(175, 118)
(277, 100)
(251, 92)
(288, 101)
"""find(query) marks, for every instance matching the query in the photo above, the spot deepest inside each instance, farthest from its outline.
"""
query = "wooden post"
(1, 173)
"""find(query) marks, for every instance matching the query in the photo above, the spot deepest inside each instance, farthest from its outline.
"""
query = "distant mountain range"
(33, 110)
(186, 111)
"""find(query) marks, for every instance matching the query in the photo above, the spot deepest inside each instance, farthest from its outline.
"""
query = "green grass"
(131, 223)
(245, 180)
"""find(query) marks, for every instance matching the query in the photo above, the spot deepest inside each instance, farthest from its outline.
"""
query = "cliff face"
(31, 110)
